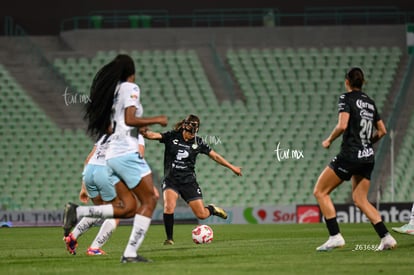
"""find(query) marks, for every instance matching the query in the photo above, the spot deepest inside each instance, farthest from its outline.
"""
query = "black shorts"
(345, 169)
(188, 191)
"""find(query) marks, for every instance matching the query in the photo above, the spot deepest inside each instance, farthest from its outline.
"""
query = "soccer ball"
(202, 234)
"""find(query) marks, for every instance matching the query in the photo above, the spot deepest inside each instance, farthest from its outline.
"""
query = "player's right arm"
(340, 127)
(381, 131)
(132, 120)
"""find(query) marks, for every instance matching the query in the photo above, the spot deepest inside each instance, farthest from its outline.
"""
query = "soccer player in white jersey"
(115, 104)
(97, 187)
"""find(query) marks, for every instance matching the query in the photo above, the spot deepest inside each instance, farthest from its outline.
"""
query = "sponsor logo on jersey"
(364, 105)
(182, 154)
(367, 152)
(366, 114)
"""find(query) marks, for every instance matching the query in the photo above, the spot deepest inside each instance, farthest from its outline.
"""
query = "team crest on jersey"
(134, 96)
(194, 146)
(175, 141)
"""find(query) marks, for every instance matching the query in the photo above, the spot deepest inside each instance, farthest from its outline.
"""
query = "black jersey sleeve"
(165, 137)
(204, 147)
(343, 105)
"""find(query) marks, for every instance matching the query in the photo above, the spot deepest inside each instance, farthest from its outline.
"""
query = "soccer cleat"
(95, 251)
(405, 229)
(136, 259)
(71, 243)
(69, 218)
(333, 242)
(168, 242)
(218, 211)
(387, 242)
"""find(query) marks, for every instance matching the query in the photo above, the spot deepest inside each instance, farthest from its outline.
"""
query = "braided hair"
(99, 108)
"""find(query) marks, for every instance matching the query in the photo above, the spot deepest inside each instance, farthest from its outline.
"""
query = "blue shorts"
(130, 168)
(98, 182)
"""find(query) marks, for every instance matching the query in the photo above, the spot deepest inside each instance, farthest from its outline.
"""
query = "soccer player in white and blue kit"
(115, 104)
(100, 188)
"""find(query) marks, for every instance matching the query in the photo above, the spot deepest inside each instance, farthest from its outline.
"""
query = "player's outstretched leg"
(217, 211)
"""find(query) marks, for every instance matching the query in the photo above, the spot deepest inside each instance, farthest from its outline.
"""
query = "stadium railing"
(353, 14)
(238, 17)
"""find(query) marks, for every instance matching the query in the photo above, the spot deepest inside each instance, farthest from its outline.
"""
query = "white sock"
(412, 216)
(104, 233)
(139, 229)
(96, 211)
(84, 226)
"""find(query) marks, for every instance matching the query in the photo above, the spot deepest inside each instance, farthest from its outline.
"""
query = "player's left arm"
(219, 159)
(340, 127)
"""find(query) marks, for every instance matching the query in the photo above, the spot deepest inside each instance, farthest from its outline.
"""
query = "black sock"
(210, 209)
(381, 229)
(332, 226)
(169, 225)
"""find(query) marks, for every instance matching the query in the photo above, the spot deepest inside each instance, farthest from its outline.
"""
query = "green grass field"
(236, 249)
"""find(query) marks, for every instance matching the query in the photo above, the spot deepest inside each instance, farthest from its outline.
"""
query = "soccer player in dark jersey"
(360, 125)
(182, 146)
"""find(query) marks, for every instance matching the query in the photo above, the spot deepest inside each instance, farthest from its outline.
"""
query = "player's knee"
(169, 208)
(150, 202)
(316, 193)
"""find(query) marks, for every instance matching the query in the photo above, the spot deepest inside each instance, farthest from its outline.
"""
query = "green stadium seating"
(285, 90)
(39, 161)
(287, 81)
